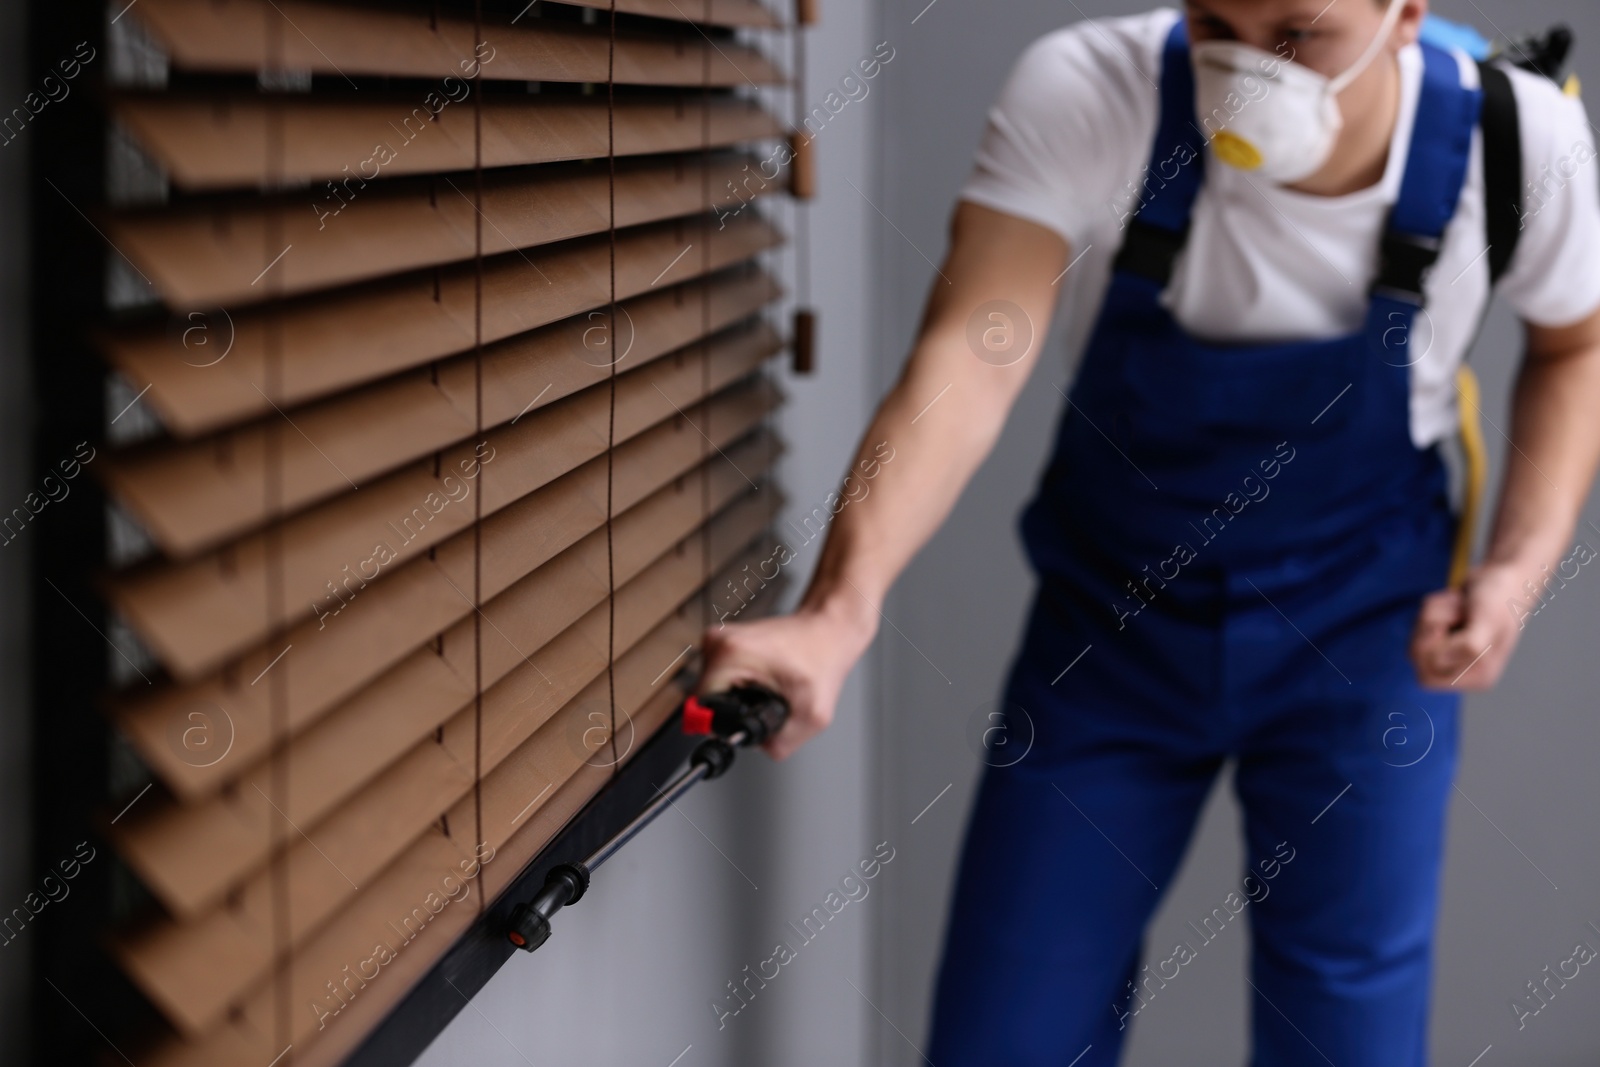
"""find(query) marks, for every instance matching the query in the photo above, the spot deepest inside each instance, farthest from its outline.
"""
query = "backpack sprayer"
(1543, 53)
(738, 718)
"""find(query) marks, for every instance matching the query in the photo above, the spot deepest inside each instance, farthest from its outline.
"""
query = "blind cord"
(802, 237)
(611, 378)
(477, 498)
(705, 321)
(278, 695)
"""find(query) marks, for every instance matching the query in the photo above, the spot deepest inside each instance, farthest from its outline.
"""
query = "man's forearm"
(945, 413)
(1555, 440)
(937, 441)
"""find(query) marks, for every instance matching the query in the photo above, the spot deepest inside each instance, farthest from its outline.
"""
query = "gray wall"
(1529, 746)
(631, 973)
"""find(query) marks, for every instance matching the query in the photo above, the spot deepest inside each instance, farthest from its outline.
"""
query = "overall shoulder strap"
(1158, 228)
(1502, 168)
(1436, 168)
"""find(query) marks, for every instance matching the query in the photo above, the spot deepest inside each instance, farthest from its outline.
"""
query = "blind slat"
(225, 840)
(212, 255)
(249, 141)
(748, 13)
(196, 614)
(380, 629)
(333, 342)
(191, 497)
(236, 35)
(538, 829)
(346, 935)
(567, 581)
(365, 831)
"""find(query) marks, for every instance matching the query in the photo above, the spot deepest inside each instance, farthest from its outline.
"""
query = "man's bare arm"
(1465, 639)
(937, 424)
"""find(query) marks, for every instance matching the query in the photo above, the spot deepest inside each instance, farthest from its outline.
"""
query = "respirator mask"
(1269, 115)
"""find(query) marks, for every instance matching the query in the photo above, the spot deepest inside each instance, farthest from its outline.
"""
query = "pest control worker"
(1244, 537)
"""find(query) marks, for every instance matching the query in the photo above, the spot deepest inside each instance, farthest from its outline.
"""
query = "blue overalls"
(1240, 536)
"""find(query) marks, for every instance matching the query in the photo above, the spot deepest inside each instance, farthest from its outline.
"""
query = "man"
(1246, 518)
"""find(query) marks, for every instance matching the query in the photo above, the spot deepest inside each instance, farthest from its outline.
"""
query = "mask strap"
(1390, 18)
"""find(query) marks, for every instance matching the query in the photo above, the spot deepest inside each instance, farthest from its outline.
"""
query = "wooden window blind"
(458, 394)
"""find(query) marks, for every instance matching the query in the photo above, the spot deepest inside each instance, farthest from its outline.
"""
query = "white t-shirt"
(1069, 138)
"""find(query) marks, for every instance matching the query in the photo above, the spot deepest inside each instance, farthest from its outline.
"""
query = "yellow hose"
(1477, 473)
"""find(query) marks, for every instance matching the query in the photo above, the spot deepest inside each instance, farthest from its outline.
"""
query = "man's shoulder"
(1555, 276)
(1119, 50)
(1549, 118)
(1073, 124)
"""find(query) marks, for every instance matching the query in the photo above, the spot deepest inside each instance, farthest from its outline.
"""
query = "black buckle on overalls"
(1405, 259)
(1150, 251)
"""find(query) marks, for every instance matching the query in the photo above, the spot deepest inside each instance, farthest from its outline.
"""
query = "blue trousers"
(1297, 673)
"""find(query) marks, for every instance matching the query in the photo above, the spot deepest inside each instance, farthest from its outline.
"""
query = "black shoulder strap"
(1502, 168)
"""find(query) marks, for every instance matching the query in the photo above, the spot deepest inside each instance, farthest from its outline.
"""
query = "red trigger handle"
(751, 710)
(696, 717)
